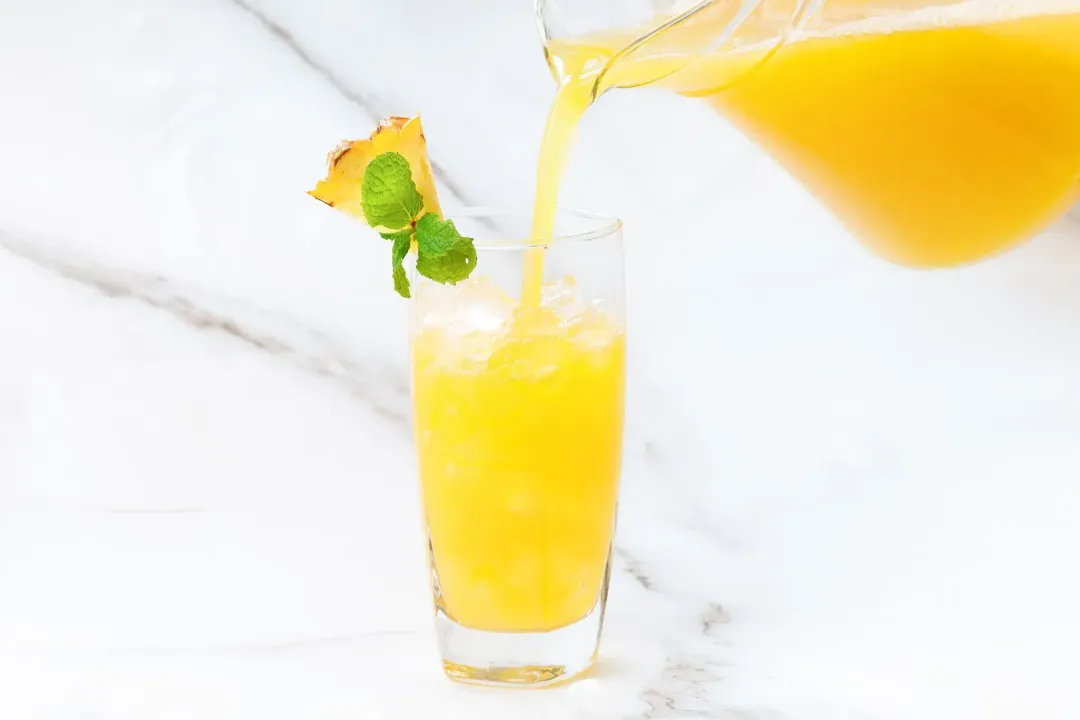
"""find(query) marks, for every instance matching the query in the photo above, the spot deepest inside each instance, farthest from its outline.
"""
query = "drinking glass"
(518, 422)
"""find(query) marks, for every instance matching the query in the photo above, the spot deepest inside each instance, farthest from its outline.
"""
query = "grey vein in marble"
(713, 618)
(384, 391)
(635, 569)
(682, 689)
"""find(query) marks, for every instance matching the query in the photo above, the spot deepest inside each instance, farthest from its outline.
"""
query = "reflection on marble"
(849, 488)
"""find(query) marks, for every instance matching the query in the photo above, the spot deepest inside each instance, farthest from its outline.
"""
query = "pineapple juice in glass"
(518, 418)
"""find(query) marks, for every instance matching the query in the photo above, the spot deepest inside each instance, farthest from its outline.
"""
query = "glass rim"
(606, 226)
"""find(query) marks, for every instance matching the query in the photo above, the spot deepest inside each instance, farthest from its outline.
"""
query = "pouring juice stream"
(937, 137)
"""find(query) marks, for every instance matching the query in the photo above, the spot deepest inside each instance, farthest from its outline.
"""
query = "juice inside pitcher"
(937, 136)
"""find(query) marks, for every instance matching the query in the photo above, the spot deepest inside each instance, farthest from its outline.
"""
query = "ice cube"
(476, 305)
(563, 297)
(462, 324)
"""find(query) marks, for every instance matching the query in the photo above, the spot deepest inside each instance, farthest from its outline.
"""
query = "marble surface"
(850, 489)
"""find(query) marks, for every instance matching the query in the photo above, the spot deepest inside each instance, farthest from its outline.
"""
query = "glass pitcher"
(938, 131)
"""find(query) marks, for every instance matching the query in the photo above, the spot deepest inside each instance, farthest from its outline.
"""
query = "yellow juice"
(937, 137)
(519, 433)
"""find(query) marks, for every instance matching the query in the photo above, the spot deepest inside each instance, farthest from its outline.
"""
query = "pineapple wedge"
(347, 163)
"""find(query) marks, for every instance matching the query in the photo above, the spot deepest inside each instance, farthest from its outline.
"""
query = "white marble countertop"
(850, 489)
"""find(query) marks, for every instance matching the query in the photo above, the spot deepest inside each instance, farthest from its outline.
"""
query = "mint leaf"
(402, 243)
(401, 282)
(453, 266)
(435, 236)
(393, 236)
(388, 194)
(443, 254)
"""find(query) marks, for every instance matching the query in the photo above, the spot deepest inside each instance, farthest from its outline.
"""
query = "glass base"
(521, 659)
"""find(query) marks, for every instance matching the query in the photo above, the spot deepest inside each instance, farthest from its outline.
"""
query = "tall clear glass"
(518, 421)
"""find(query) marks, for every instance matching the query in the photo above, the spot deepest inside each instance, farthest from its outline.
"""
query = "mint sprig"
(392, 204)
